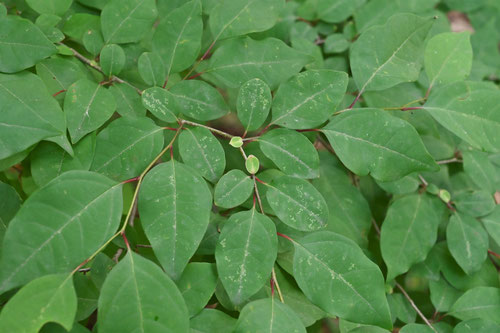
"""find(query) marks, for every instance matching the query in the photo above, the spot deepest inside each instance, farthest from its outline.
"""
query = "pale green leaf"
(292, 152)
(212, 321)
(28, 113)
(448, 58)
(391, 147)
(253, 104)
(240, 59)
(245, 254)
(332, 272)
(161, 103)
(138, 296)
(151, 68)
(479, 302)
(175, 205)
(51, 234)
(22, 44)
(50, 298)
(297, 203)
(335, 11)
(87, 106)
(389, 54)
(197, 284)
(233, 189)
(408, 232)
(112, 59)
(178, 37)
(201, 150)
(308, 99)
(467, 242)
(268, 315)
(127, 21)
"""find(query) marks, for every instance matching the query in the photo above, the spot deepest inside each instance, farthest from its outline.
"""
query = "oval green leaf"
(253, 104)
(233, 189)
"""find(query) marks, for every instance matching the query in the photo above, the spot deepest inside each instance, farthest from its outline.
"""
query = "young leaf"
(479, 302)
(87, 106)
(127, 21)
(386, 55)
(161, 104)
(138, 296)
(50, 298)
(38, 242)
(297, 203)
(391, 147)
(253, 103)
(332, 272)
(22, 44)
(112, 59)
(469, 110)
(409, 232)
(308, 99)
(177, 38)
(238, 60)
(197, 284)
(268, 315)
(239, 17)
(151, 68)
(202, 151)
(198, 100)
(448, 58)
(28, 113)
(212, 321)
(467, 242)
(245, 254)
(175, 204)
(233, 189)
(126, 147)
(292, 152)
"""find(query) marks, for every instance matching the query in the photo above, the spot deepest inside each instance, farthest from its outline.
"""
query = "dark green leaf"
(10, 202)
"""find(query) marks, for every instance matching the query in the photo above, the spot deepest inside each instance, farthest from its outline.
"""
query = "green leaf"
(308, 99)
(112, 59)
(177, 38)
(467, 242)
(50, 298)
(252, 164)
(480, 169)
(233, 189)
(128, 101)
(332, 272)
(401, 308)
(87, 106)
(448, 58)
(292, 152)
(197, 284)
(57, 7)
(138, 296)
(492, 224)
(87, 295)
(151, 69)
(22, 44)
(49, 161)
(245, 254)
(389, 54)
(22, 124)
(253, 104)
(409, 232)
(391, 147)
(336, 43)
(51, 234)
(212, 321)
(479, 302)
(198, 100)
(417, 328)
(474, 203)
(239, 17)
(161, 103)
(476, 325)
(297, 203)
(240, 59)
(268, 315)
(470, 111)
(127, 21)
(443, 295)
(175, 205)
(10, 202)
(126, 147)
(335, 11)
(58, 74)
(202, 151)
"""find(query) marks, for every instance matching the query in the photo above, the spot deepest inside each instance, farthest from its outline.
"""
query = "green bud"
(252, 164)
(444, 195)
(236, 141)
(432, 189)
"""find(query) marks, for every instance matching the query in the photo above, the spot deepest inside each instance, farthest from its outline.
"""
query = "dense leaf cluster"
(249, 166)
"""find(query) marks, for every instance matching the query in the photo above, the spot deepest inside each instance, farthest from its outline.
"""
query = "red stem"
(59, 92)
(284, 236)
(130, 180)
(125, 240)
(308, 130)
(412, 108)
(494, 254)
(355, 101)
(260, 181)
(195, 76)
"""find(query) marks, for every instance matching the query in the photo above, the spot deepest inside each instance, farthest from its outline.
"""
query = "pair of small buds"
(252, 162)
(442, 194)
